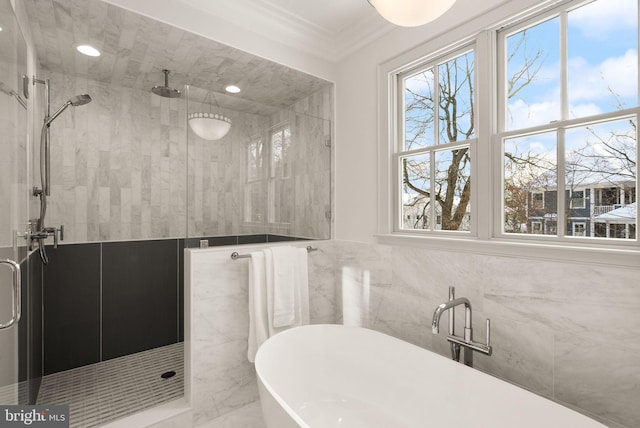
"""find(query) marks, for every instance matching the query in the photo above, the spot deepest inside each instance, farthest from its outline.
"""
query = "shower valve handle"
(58, 235)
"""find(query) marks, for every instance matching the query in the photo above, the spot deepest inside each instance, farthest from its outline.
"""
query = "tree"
(456, 116)
(452, 181)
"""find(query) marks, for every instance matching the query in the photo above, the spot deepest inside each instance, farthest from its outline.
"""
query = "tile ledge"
(625, 258)
(152, 416)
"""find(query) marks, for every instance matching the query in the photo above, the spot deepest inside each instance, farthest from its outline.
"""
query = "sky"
(602, 61)
(602, 65)
(603, 54)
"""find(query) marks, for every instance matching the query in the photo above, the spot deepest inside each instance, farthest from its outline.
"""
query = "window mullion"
(564, 66)
(562, 202)
(432, 198)
(436, 105)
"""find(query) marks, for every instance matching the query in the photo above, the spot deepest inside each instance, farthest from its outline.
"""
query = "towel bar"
(236, 256)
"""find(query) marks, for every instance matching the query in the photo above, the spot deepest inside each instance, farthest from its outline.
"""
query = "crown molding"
(280, 25)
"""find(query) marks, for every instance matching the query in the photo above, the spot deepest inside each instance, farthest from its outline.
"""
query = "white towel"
(266, 296)
(258, 321)
(302, 281)
(285, 286)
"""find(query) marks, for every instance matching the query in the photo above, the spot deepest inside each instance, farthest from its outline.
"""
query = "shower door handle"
(16, 294)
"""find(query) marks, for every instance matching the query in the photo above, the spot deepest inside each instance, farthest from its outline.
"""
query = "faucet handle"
(488, 333)
(58, 235)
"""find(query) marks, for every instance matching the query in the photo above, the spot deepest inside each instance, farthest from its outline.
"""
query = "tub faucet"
(467, 340)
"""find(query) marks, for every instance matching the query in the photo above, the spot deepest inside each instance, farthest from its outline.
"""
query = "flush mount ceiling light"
(232, 89)
(207, 125)
(411, 13)
(88, 50)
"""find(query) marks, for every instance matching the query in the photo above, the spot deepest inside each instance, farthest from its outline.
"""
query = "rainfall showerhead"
(75, 101)
(166, 91)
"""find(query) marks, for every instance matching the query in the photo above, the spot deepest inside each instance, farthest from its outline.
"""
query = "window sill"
(629, 257)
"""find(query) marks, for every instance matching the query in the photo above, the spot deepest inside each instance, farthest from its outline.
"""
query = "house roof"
(623, 215)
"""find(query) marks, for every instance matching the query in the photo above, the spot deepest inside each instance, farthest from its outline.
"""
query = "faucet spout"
(435, 323)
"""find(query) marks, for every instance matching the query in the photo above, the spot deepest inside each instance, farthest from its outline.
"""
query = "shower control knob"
(58, 235)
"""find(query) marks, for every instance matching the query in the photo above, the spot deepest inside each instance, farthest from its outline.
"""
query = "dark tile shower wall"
(72, 307)
(35, 326)
(30, 330)
(107, 300)
(139, 296)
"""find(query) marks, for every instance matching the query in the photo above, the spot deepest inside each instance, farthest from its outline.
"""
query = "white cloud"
(595, 82)
(598, 19)
(523, 115)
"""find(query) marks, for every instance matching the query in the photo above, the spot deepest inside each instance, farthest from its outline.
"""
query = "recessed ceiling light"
(88, 50)
(233, 89)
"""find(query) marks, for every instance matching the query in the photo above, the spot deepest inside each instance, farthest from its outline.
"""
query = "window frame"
(272, 178)
(260, 179)
(481, 31)
(399, 141)
(563, 124)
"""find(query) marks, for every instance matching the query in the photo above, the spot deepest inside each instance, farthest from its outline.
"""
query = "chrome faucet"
(467, 340)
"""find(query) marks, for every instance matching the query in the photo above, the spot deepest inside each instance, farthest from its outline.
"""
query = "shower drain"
(167, 375)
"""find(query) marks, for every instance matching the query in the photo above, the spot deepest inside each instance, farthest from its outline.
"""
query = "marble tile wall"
(567, 331)
(219, 377)
(117, 164)
(309, 198)
(216, 176)
(121, 168)
(13, 128)
(218, 192)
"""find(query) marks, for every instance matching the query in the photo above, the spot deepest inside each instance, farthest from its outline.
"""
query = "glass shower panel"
(271, 174)
(13, 209)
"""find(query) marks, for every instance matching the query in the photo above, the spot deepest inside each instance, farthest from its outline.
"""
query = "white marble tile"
(183, 420)
(249, 416)
(600, 376)
(534, 306)
(523, 353)
(222, 379)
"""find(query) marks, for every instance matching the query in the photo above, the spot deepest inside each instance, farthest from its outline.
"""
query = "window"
(254, 195)
(524, 133)
(569, 112)
(434, 153)
(269, 188)
(280, 187)
(577, 199)
(537, 200)
(579, 228)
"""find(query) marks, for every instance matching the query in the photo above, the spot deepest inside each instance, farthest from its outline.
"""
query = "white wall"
(356, 105)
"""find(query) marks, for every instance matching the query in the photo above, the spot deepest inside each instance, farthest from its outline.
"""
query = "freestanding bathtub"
(325, 376)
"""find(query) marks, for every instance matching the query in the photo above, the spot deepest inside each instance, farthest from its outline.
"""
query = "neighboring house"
(603, 210)
(619, 221)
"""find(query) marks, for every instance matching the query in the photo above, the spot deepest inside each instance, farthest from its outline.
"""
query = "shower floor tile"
(103, 392)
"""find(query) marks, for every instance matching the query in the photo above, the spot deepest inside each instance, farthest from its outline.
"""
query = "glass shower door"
(13, 201)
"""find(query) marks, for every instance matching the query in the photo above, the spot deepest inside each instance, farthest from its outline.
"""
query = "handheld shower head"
(75, 101)
(80, 100)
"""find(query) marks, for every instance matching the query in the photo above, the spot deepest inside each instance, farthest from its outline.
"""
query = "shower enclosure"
(131, 185)
(19, 333)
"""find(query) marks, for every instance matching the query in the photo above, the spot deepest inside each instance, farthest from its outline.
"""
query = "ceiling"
(135, 49)
(329, 29)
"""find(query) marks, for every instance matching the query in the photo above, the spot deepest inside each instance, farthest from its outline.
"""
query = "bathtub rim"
(288, 409)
